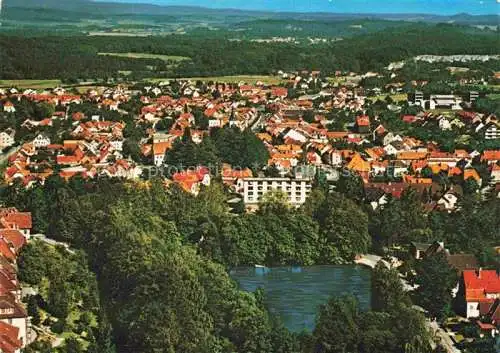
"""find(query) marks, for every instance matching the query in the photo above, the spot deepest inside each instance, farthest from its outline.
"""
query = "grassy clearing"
(272, 80)
(34, 84)
(166, 58)
(495, 96)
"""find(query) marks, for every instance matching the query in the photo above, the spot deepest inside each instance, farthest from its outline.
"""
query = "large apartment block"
(297, 190)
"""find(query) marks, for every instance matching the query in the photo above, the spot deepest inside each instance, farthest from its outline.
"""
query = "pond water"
(295, 293)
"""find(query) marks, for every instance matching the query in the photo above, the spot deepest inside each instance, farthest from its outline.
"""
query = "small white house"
(117, 144)
(7, 138)
(444, 124)
(448, 201)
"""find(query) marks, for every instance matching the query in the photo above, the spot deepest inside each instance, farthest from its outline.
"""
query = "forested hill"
(80, 7)
(23, 57)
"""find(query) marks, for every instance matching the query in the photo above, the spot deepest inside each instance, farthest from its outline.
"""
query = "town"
(375, 145)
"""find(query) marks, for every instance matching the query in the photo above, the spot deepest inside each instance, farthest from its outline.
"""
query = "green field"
(165, 58)
(34, 84)
(271, 80)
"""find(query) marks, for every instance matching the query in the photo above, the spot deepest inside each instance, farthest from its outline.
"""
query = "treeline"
(77, 58)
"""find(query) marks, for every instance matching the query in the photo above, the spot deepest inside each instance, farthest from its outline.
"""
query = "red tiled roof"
(9, 338)
(6, 251)
(21, 220)
(491, 155)
(363, 120)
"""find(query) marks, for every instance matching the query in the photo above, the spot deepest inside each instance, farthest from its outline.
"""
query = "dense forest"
(144, 246)
(24, 57)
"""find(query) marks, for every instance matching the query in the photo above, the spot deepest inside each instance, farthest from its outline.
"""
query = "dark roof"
(463, 261)
(421, 246)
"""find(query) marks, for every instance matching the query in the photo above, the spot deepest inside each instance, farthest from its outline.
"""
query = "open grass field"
(148, 56)
(34, 84)
(271, 80)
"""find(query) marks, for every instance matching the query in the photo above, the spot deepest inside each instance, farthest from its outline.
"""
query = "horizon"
(428, 7)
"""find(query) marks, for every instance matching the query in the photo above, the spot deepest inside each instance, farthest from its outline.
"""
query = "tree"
(33, 311)
(58, 300)
(387, 290)
(345, 228)
(351, 185)
(241, 149)
(436, 280)
(72, 345)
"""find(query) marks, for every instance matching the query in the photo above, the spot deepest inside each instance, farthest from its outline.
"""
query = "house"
(41, 140)
(418, 250)
(462, 262)
(159, 150)
(479, 289)
(10, 339)
(444, 124)
(7, 138)
(490, 156)
(296, 190)
(13, 314)
(495, 173)
(191, 180)
(445, 101)
(491, 131)
(363, 124)
(117, 144)
(13, 219)
(448, 202)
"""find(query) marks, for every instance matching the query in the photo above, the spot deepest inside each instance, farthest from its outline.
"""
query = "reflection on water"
(294, 294)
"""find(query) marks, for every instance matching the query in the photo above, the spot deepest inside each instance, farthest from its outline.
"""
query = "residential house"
(479, 290)
(10, 338)
(363, 124)
(491, 131)
(8, 107)
(11, 218)
(41, 140)
(7, 138)
(448, 202)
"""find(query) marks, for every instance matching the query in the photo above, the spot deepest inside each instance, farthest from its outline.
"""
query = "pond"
(295, 293)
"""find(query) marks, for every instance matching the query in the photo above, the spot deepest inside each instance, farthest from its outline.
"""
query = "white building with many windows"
(297, 190)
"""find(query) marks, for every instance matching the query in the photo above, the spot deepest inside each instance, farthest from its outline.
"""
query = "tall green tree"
(436, 280)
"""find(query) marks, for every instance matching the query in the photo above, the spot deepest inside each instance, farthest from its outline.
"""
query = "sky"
(440, 7)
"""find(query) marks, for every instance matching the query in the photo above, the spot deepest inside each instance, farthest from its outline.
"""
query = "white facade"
(158, 159)
(9, 108)
(41, 141)
(117, 145)
(492, 133)
(296, 190)
(6, 140)
(473, 309)
(445, 101)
